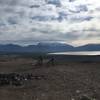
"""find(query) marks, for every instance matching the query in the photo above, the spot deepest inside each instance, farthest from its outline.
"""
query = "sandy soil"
(64, 81)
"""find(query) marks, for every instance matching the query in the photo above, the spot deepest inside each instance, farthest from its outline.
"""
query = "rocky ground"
(63, 81)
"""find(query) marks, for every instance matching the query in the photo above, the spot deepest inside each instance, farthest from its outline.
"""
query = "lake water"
(89, 53)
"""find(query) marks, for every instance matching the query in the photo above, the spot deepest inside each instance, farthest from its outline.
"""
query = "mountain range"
(47, 48)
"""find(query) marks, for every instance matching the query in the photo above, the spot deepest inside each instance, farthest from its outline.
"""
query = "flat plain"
(62, 81)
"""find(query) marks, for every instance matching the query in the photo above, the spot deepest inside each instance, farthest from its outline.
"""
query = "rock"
(78, 91)
(85, 98)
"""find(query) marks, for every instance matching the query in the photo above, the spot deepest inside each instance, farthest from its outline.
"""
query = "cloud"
(49, 20)
(54, 2)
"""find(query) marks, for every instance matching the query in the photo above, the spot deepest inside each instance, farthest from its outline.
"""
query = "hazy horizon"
(36, 43)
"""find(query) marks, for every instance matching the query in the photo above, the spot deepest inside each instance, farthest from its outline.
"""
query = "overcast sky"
(71, 21)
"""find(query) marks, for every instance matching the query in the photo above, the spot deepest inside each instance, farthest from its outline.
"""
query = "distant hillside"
(89, 47)
(48, 47)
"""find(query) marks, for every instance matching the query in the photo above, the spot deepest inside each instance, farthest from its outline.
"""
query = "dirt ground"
(63, 81)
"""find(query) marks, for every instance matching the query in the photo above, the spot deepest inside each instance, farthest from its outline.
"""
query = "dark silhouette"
(51, 62)
(40, 61)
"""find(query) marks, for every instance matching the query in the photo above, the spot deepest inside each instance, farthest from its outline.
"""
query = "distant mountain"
(89, 47)
(47, 47)
(10, 48)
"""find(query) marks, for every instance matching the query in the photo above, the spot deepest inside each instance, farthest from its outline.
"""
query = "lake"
(77, 56)
(87, 53)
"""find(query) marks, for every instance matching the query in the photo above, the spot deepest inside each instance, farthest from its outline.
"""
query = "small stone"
(72, 99)
(77, 91)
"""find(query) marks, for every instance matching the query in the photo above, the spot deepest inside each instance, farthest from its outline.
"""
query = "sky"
(26, 22)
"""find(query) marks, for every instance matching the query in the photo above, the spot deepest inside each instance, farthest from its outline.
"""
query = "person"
(40, 60)
(51, 61)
